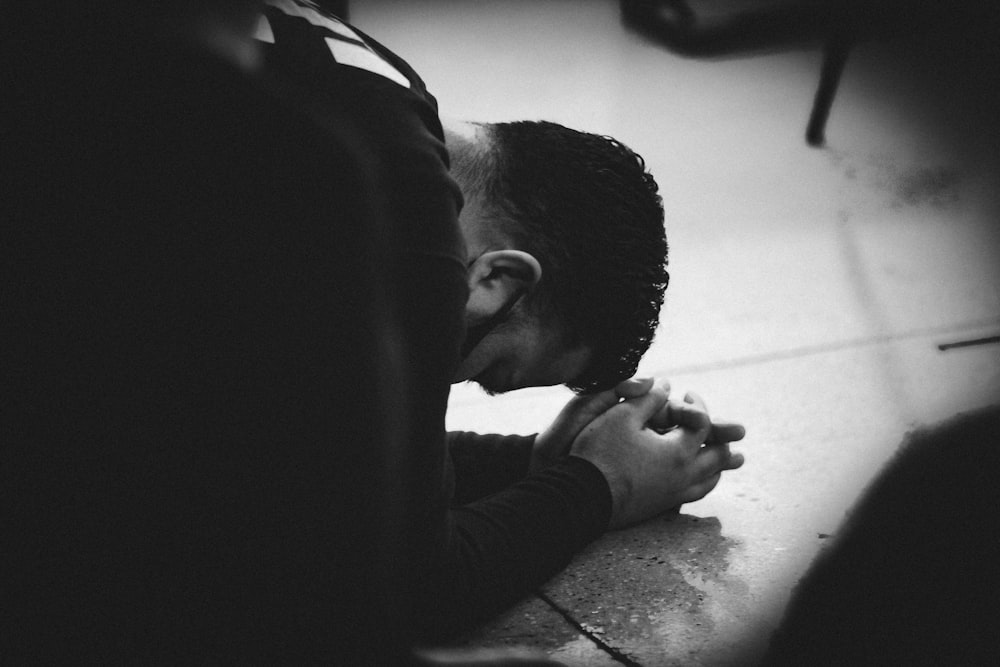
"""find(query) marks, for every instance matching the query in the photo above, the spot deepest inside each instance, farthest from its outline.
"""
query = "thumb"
(688, 415)
(587, 408)
(642, 409)
(582, 410)
(636, 387)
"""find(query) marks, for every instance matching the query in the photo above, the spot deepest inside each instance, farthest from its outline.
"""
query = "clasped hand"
(656, 453)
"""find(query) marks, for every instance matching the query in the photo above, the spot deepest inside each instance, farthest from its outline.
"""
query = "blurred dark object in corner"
(911, 577)
(958, 39)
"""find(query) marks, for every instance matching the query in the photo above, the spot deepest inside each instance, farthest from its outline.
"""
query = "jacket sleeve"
(501, 548)
(484, 464)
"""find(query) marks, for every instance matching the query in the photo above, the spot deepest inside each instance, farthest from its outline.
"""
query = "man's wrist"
(618, 487)
(540, 456)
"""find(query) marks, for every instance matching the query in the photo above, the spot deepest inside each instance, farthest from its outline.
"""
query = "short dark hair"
(586, 208)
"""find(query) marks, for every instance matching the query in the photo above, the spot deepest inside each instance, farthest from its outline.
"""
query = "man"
(506, 273)
(225, 434)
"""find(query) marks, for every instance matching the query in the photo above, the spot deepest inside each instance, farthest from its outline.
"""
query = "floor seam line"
(617, 655)
(823, 348)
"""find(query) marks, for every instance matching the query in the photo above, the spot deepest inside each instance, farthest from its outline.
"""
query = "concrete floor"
(810, 291)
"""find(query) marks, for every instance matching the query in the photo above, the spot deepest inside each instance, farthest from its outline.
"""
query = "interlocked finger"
(701, 489)
(696, 400)
(641, 409)
(712, 459)
(694, 421)
(735, 461)
(723, 431)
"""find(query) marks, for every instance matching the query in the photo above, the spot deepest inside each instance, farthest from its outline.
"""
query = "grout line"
(809, 350)
(617, 655)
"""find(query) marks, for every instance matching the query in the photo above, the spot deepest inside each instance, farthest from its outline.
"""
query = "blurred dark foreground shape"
(911, 578)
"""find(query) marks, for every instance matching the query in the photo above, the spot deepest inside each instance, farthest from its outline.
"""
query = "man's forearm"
(486, 464)
(500, 548)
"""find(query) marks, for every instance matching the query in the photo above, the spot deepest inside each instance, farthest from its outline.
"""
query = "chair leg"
(834, 58)
(340, 8)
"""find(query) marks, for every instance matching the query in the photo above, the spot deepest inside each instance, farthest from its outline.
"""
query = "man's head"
(567, 255)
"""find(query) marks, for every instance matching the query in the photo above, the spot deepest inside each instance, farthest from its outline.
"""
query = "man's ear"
(494, 279)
